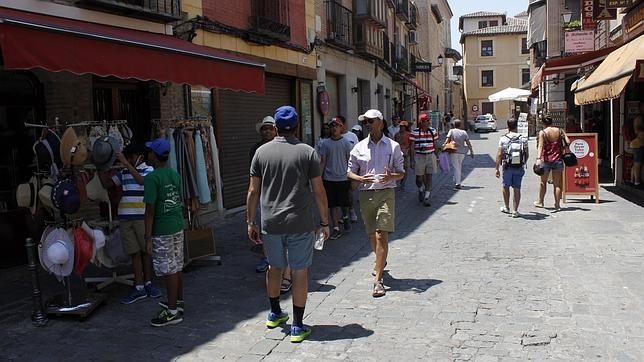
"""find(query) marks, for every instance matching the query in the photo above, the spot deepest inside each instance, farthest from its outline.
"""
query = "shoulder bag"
(569, 158)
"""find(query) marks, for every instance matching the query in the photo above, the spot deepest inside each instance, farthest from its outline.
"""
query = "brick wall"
(237, 14)
(171, 102)
(67, 96)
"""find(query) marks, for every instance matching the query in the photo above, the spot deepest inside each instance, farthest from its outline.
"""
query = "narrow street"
(464, 281)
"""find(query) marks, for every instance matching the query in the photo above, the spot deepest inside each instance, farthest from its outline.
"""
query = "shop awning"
(510, 94)
(31, 40)
(568, 64)
(609, 80)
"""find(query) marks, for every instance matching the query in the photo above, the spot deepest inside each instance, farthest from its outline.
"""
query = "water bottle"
(319, 242)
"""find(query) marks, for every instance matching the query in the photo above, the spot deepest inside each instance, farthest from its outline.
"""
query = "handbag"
(450, 147)
(537, 168)
(569, 158)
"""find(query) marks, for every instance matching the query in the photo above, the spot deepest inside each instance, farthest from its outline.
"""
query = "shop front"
(66, 85)
(617, 88)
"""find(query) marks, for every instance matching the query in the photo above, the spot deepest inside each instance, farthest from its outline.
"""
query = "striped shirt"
(131, 206)
(424, 141)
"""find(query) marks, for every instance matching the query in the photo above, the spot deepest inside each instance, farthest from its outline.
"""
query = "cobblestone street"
(464, 282)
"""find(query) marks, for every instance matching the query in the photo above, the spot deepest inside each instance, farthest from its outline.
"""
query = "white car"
(485, 122)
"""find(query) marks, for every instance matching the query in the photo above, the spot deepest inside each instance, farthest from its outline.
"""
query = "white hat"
(98, 239)
(267, 121)
(58, 253)
(95, 190)
(45, 232)
(357, 127)
(372, 113)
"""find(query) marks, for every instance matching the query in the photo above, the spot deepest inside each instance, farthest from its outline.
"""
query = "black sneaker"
(165, 318)
(164, 304)
(346, 224)
(335, 234)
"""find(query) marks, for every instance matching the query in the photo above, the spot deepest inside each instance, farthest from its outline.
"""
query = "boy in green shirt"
(164, 229)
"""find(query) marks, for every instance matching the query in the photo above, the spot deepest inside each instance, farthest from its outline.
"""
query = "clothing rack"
(185, 122)
(103, 123)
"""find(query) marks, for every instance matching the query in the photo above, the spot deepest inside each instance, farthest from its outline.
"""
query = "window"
(525, 76)
(524, 46)
(486, 48)
(200, 101)
(487, 107)
(487, 78)
(494, 23)
(482, 24)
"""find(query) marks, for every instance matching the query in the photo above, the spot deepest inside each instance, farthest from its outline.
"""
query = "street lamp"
(440, 60)
(566, 15)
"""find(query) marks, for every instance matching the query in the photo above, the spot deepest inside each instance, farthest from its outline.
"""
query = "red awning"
(56, 44)
(569, 63)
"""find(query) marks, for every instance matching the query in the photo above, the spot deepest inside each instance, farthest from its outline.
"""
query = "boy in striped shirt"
(131, 212)
(423, 142)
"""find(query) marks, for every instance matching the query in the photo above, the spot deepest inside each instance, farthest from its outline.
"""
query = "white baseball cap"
(357, 127)
(372, 113)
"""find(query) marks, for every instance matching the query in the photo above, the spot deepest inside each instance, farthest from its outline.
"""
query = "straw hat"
(95, 190)
(44, 194)
(58, 253)
(72, 150)
(26, 194)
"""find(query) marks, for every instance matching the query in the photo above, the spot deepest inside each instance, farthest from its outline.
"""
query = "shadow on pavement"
(404, 285)
(535, 216)
(325, 332)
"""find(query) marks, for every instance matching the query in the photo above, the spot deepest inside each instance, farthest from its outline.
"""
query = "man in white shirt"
(395, 127)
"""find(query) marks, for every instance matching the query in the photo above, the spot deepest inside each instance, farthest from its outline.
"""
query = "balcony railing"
(412, 22)
(402, 10)
(270, 18)
(402, 60)
(367, 38)
(386, 48)
(371, 10)
(339, 24)
(166, 10)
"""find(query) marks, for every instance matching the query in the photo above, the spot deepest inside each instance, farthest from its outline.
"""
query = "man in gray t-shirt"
(334, 155)
(283, 172)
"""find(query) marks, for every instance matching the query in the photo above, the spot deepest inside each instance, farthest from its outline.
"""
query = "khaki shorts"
(378, 210)
(167, 254)
(425, 164)
(133, 234)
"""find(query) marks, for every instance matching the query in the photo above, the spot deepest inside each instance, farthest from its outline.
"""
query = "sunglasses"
(333, 125)
(368, 120)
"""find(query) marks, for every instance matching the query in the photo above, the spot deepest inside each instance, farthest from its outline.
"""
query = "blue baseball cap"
(285, 118)
(159, 146)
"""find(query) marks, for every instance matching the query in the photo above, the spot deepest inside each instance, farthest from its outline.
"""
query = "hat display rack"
(182, 135)
(57, 255)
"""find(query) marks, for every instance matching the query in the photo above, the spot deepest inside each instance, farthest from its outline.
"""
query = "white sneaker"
(515, 214)
(504, 210)
(354, 217)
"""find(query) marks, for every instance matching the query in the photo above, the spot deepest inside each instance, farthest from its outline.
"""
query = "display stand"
(582, 179)
(66, 305)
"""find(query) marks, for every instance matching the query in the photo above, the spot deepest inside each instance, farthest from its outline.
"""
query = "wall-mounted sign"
(614, 4)
(601, 12)
(423, 103)
(587, 12)
(557, 106)
(579, 41)
(475, 108)
(423, 67)
(633, 22)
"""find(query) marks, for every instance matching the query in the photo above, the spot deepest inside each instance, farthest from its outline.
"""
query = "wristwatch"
(251, 223)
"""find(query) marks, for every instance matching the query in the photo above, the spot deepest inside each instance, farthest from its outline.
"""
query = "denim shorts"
(553, 166)
(294, 250)
(638, 155)
(512, 177)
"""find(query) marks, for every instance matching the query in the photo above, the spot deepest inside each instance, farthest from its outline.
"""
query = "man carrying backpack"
(512, 154)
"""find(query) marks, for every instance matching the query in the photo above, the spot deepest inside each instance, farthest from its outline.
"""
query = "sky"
(462, 7)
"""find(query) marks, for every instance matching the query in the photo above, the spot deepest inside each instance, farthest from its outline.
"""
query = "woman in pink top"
(550, 149)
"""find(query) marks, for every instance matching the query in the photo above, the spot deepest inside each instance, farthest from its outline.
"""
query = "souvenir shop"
(64, 118)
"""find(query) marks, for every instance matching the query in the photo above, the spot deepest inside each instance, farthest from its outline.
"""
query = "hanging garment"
(172, 158)
(95, 133)
(208, 156)
(215, 167)
(202, 173)
(186, 170)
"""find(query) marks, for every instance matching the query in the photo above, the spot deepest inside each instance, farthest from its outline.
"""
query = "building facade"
(495, 57)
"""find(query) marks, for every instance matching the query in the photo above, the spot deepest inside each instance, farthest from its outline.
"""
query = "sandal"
(378, 290)
(286, 285)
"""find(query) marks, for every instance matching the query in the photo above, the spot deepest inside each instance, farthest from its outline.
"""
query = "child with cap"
(131, 213)
(164, 229)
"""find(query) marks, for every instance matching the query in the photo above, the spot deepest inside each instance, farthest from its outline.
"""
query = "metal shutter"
(239, 112)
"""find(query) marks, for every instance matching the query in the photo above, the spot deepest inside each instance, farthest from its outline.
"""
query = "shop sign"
(522, 124)
(601, 12)
(582, 179)
(614, 4)
(633, 22)
(579, 41)
(587, 12)
(639, 70)
(558, 106)
(423, 103)
(423, 67)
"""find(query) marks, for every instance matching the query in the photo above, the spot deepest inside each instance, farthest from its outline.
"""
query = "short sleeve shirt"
(460, 137)
(504, 141)
(369, 157)
(285, 167)
(163, 190)
(336, 153)
(424, 141)
(351, 137)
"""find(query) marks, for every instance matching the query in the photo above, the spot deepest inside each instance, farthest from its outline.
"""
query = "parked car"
(485, 122)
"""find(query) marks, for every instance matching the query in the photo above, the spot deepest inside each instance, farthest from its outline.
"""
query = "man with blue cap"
(282, 173)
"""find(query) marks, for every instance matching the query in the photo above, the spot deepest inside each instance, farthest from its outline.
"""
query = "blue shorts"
(512, 177)
(553, 166)
(294, 250)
